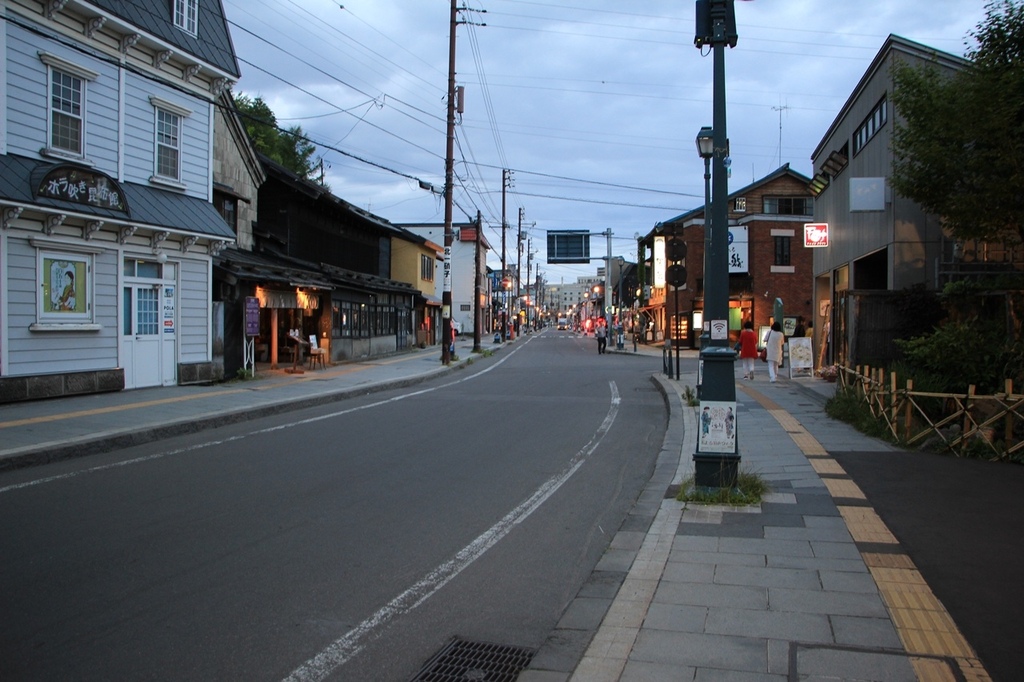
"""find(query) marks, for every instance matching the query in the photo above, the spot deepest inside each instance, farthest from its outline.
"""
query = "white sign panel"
(739, 250)
(447, 269)
(659, 262)
(867, 194)
(717, 427)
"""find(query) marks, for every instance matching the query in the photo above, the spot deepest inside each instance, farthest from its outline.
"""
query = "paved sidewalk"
(810, 585)
(42, 431)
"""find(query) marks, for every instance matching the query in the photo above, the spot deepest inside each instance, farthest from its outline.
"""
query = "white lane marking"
(343, 649)
(259, 432)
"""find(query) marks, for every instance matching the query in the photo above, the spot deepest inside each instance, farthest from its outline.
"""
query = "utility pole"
(519, 259)
(529, 262)
(479, 288)
(449, 189)
(505, 183)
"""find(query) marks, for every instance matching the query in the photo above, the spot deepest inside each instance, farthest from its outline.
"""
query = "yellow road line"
(924, 626)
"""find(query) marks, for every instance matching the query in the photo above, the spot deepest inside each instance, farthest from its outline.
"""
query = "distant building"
(467, 271)
(879, 241)
(767, 261)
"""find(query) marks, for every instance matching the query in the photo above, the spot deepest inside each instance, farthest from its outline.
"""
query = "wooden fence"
(961, 420)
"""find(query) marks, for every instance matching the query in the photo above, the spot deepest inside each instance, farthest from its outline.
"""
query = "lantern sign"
(815, 235)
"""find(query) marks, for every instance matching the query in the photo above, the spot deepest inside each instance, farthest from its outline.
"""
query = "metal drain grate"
(463, 661)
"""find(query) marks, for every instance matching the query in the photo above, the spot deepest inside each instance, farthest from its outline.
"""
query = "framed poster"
(716, 427)
(65, 287)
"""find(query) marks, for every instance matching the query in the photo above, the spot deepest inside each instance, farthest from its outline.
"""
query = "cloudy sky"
(593, 104)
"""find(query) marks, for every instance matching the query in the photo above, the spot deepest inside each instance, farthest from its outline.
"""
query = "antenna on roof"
(780, 109)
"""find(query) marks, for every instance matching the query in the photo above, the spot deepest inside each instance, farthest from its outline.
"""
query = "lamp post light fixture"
(716, 461)
(706, 150)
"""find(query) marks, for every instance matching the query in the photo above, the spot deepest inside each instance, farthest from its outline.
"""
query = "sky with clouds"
(593, 104)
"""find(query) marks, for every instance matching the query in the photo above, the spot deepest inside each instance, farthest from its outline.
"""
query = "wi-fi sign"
(718, 327)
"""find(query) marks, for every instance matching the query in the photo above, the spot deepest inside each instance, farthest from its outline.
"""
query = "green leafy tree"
(959, 148)
(288, 147)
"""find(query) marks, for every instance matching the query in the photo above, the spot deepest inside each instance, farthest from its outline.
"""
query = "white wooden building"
(106, 178)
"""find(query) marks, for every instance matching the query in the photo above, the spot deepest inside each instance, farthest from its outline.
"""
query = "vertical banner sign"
(659, 262)
(447, 269)
(252, 316)
(168, 306)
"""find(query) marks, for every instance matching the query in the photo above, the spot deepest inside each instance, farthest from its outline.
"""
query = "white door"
(141, 332)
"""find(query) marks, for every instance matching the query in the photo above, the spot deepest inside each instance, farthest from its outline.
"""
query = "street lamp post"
(716, 461)
(706, 149)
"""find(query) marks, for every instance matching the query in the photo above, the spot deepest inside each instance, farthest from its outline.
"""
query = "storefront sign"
(82, 186)
(168, 306)
(816, 235)
(659, 263)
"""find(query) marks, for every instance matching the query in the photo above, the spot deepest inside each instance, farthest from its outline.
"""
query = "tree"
(959, 146)
(288, 147)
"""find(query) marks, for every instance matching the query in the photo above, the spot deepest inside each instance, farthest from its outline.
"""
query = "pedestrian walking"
(748, 349)
(774, 342)
(800, 330)
(601, 332)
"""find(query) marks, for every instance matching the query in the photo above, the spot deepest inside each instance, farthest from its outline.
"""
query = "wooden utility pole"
(449, 189)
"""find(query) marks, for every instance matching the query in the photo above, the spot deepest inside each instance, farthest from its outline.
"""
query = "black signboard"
(568, 246)
(82, 186)
(252, 316)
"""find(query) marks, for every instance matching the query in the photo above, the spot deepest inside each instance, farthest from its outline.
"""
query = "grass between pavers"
(749, 489)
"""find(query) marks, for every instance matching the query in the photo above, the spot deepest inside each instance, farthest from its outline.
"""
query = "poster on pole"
(717, 427)
(801, 357)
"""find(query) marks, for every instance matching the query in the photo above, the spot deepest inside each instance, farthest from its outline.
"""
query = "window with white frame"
(67, 112)
(168, 144)
(186, 13)
(169, 119)
(65, 119)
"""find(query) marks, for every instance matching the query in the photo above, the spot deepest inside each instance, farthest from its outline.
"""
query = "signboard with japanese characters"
(739, 251)
(82, 186)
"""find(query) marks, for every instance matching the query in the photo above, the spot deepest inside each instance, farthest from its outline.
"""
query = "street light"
(706, 145)
(706, 150)
(716, 461)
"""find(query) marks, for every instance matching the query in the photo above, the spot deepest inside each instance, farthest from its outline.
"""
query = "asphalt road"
(349, 542)
(960, 521)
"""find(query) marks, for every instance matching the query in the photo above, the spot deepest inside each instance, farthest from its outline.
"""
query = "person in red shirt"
(748, 349)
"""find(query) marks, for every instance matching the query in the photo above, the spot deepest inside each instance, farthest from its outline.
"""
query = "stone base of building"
(200, 373)
(42, 386)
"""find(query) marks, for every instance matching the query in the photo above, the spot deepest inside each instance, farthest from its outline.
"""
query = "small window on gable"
(186, 14)
(740, 204)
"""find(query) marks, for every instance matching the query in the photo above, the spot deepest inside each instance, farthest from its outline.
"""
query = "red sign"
(815, 235)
